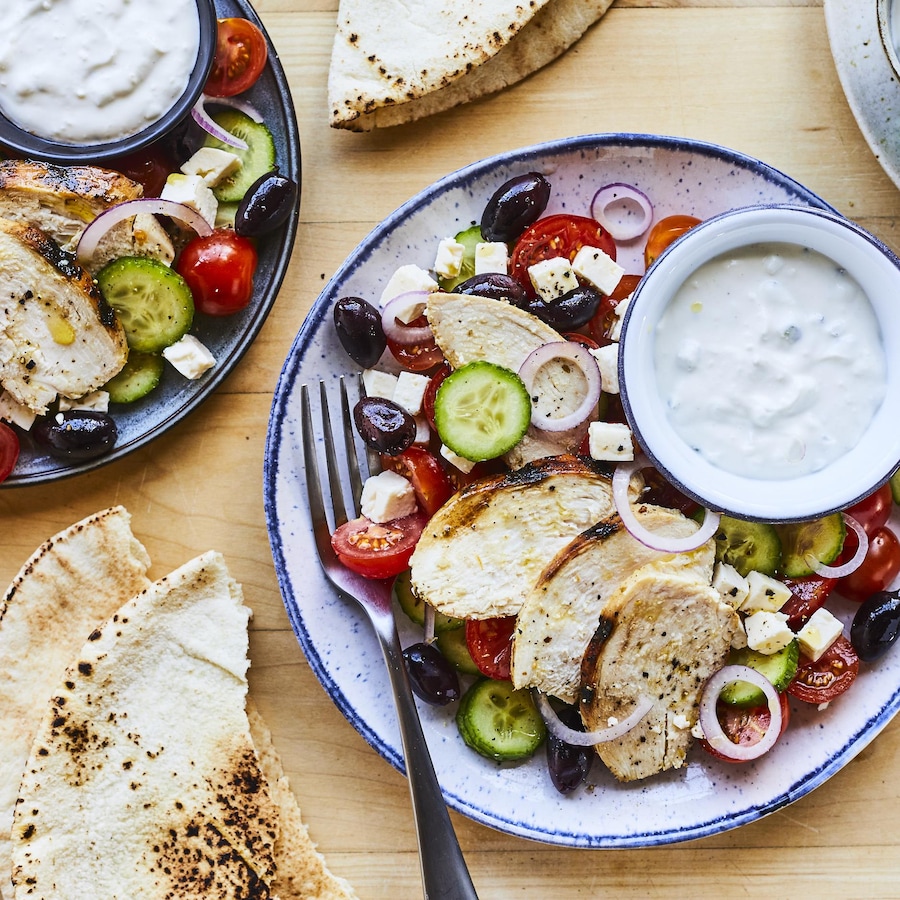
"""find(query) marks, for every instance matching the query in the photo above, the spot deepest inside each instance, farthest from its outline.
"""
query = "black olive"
(876, 625)
(568, 764)
(76, 434)
(514, 206)
(431, 676)
(266, 205)
(358, 326)
(385, 426)
(572, 310)
(495, 285)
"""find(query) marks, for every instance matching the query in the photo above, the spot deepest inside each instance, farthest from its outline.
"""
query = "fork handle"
(445, 875)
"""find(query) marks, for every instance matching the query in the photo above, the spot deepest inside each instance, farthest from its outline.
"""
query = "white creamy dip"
(770, 362)
(86, 71)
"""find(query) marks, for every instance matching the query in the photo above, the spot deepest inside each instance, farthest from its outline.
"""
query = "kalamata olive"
(432, 677)
(385, 426)
(358, 326)
(266, 205)
(76, 434)
(495, 285)
(876, 625)
(567, 764)
(570, 311)
(514, 206)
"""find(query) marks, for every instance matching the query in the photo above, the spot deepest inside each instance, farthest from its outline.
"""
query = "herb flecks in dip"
(94, 71)
(770, 361)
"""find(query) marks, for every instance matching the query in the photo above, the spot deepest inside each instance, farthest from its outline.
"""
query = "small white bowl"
(888, 13)
(843, 481)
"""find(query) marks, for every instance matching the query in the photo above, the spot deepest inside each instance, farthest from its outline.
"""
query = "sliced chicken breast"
(562, 610)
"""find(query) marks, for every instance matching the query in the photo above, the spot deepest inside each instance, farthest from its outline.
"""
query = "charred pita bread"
(73, 581)
(394, 62)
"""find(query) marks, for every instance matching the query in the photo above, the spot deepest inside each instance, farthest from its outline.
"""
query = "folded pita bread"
(394, 62)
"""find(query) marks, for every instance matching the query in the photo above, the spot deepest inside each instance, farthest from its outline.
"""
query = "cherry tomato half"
(489, 642)
(241, 53)
(429, 480)
(431, 392)
(746, 725)
(378, 551)
(872, 512)
(9, 450)
(807, 595)
(664, 232)
(829, 676)
(603, 319)
(417, 357)
(559, 235)
(219, 270)
(879, 568)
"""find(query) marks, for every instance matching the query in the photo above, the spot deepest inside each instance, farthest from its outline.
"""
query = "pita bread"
(74, 580)
(394, 62)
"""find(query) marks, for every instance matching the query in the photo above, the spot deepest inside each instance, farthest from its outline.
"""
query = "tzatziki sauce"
(94, 71)
(769, 361)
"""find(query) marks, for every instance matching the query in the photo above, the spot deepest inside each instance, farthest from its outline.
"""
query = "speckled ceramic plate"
(707, 796)
(227, 337)
(868, 81)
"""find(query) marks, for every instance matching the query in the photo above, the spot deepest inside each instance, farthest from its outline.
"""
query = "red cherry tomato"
(9, 450)
(429, 480)
(149, 167)
(879, 568)
(377, 551)
(559, 235)
(746, 725)
(417, 357)
(219, 270)
(602, 321)
(489, 642)
(872, 512)
(665, 232)
(241, 53)
(807, 595)
(829, 676)
(431, 392)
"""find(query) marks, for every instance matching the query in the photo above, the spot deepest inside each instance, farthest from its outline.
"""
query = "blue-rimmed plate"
(707, 796)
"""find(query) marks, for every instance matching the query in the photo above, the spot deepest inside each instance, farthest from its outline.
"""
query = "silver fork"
(444, 872)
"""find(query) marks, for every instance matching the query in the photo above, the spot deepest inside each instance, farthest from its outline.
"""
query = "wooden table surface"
(753, 75)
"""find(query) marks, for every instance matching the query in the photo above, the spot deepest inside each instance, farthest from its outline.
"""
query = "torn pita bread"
(393, 62)
(72, 582)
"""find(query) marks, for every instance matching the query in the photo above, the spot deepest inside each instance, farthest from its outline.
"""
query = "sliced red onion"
(664, 543)
(588, 738)
(404, 334)
(248, 109)
(629, 223)
(580, 356)
(155, 206)
(208, 124)
(712, 727)
(428, 625)
(852, 564)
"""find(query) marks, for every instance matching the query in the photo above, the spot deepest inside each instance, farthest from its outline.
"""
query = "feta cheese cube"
(764, 593)
(387, 496)
(212, 164)
(461, 463)
(491, 257)
(552, 278)
(190, 357)
(767, 632)
(681, 721)
(192, 191)
(17, 413)
(610, 440)
(819, 633)
(597, 268)
(449, 257)
(608, 362)
(730, 584)
(410, 391)
(615, 330)
(405, 279)
(409, 307)
(379, 384)
(96, 400)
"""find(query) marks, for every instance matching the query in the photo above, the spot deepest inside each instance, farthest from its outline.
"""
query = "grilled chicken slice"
(57, 336)
(562, 609)
(661, 635)
(483, 550)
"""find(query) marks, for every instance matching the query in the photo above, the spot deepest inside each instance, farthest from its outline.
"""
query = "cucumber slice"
(415, 608)
(748, 546)
(500, 722)
(256, 160)
(139, 376)
(779, 668)
(153, 303)
(482, 410)
(821, 539)
(453, 645)
(468, 238)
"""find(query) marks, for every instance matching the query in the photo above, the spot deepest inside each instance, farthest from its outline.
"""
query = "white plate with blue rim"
(705, 797)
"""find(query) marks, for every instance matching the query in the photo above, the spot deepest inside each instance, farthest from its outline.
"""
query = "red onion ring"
(248, 109)
(208, 124)
(405, 335)
(664, 543)
(852, 564)
(627, 226)
(428, 624)
(93, 234)
(589, 738)
(573, 352)
(712, 727)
